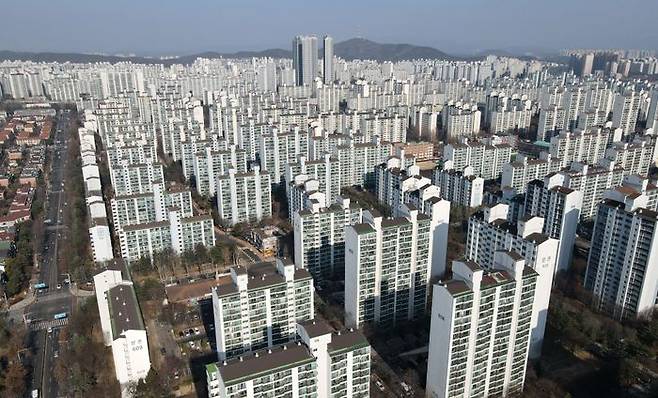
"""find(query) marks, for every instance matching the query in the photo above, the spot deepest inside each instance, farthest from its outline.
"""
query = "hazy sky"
(455, 26)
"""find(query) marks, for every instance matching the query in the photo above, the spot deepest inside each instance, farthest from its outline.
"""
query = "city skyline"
(250, 25)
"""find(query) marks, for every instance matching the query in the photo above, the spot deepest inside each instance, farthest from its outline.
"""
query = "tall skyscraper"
(328, 60)
(305, 59)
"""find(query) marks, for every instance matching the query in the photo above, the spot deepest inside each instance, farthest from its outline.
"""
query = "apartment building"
(428, 201)
(326, 171)
(634, 158)
(560, 207)
(460, 120)
(322, 363)
(122, 325)
(592, 181)
(635, 185)
(588, 146)
(258, 306)
(244, 197)
(387, 268)
(487, 160)
(208, 165)
(480, 330)
(150, 206)
(319, 236)
(278, 149)
(625, 112)
(393, 178)
(551, 122)
(135, 178)
(516, 175)
(621, 272)
(358, 161)
(489, 231)
(516, 119)
(176, 233)
(387, 128)
(463, 188)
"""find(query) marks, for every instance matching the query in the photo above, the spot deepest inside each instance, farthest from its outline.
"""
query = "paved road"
(45, 344)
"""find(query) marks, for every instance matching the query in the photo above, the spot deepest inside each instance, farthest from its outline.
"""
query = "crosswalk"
(42, 325)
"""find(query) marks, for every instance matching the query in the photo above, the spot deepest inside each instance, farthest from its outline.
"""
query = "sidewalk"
(29, 299)
(80, 292)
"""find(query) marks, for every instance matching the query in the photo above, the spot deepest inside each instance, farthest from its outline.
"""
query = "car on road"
(163, 351)
(379, 384)
(35, 393)
(407, 389)
(59, 286)
(50, 330)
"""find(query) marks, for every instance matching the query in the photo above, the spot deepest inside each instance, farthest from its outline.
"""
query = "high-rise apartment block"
(517, 174)
(258, 307)
(480, 330)
(460, 120)
(560, 208)
(244, 197)
(387, 268)
(328, 59)
(621, 269)
(581, 146)
(487, 160)
(319, 236)
(322, 363)
(489, 231)
(591, 180)
(625, 112)
(462, 188)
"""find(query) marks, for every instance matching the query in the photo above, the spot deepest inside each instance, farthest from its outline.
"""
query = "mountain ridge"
(351, 49)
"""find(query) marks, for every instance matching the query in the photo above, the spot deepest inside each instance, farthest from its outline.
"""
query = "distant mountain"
(366, 49)
(349, 49)
(92, 58)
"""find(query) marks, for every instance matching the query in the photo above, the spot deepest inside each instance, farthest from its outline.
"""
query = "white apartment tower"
(560, 208)
(480, 330)
(322, 363)
(489, 231)
(625, 111)
(319, 237)
(284, 295)
(487, 160)
(387, 268)
(621, 269)
(244, 197)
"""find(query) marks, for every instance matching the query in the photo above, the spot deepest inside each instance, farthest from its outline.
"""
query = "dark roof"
(363, 228)
(537, 238)
(147, 225)
(456, 287)
(124, 309)
(263, 362)
(316, 328)
(260, 275)
(346, 340)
